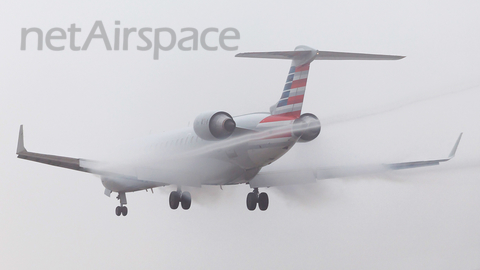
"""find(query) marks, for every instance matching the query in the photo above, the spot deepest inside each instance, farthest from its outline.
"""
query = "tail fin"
(290, 104)
(291, 100)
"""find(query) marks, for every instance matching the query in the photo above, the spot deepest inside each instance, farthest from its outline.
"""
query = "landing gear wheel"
(263, 201)
(124, 210)
(252, 199)
(118, 211)
(174, 199)
(186, 200)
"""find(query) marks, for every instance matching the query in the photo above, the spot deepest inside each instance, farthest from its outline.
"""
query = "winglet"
(454, 150)
(20, 145)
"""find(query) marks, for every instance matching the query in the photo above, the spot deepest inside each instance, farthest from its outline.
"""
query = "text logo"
(158, 39)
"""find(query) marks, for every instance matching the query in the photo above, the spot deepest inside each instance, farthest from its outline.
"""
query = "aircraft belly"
(204, 171)
(264, 152)
(127, 185)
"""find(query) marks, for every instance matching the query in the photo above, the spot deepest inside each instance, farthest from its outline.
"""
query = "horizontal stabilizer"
(274, 55)
(326, 55)
(321, 55)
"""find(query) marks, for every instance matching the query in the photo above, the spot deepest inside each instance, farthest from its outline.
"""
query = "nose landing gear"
(254, 198)
(121, 210)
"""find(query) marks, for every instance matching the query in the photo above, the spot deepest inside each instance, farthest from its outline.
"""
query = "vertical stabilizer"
(291, 100)
(289, 106)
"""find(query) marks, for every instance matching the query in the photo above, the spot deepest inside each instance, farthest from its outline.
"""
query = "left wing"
(304, 176)
(118, 172)
(59, 161)
(78, 164)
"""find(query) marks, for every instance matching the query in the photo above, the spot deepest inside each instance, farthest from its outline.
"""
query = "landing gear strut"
(179, 197)
(121, 210)
(254, 198)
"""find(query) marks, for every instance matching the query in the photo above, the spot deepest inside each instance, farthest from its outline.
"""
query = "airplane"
(223, 150)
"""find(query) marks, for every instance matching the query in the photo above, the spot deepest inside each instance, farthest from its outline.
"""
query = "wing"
(131, 177)
(59, 161)
(78, 164)
(304, 176)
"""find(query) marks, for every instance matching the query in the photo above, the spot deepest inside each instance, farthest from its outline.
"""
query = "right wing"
(304, 176)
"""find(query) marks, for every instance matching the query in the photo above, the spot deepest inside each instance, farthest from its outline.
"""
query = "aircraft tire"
(124, 210)
(263, 201)
(174, 200)
(252, 201)
(186, 200)
(118, 211)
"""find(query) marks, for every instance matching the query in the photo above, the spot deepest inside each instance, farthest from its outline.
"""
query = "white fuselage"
(181, 157)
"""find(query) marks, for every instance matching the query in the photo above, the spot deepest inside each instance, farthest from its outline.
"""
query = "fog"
(79, 103)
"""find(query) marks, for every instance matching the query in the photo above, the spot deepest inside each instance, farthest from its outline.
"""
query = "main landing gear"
(121, 210)
(254, 198)
(179, 197)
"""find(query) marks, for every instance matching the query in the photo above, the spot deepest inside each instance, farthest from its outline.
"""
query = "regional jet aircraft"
(223, 150)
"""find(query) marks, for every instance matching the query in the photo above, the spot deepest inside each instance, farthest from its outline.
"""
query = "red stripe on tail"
(302, 68)
(282, 117)
(295, 99)
(299, 83)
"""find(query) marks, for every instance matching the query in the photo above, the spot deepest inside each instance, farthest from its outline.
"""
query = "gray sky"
(76, 103)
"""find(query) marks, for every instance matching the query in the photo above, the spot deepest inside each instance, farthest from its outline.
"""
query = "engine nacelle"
(307, 127)
(213, 126)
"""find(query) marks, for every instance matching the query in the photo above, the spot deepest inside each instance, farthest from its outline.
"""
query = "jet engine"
(306, 127)
(213, 126)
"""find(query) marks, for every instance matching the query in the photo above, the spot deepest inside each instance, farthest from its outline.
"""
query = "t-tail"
(290, 104)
